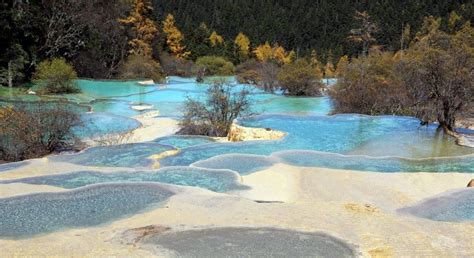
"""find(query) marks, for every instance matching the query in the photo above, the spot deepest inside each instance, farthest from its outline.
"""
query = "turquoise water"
(214, 180)
(345, 134)
(184, 141)
(34, 214)
(353, 142)
(125, 155)
(101, 124)
(455, 206)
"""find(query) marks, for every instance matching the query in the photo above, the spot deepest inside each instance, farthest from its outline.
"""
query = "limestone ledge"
(240, 133)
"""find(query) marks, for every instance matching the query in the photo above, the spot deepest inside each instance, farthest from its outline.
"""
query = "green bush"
(56, 76)
(215, 65)
(300, 79)
(141, 67)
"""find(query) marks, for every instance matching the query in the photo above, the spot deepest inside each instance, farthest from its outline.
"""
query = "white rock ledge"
(240, 133)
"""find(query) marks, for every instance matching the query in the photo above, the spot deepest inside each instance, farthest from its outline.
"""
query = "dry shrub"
(35, 131)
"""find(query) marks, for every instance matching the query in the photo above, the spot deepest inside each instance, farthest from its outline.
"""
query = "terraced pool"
(314, 139)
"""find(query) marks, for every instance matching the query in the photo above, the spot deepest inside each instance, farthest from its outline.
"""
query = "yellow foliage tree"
(216, 39)
(243, 45)
(314, 62)
(142, 28)
(174, 37)
(329, 70)
(264, 52)
(342, 66)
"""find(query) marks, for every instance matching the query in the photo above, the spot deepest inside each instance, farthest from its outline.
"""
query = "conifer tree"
(174, 38)
(142, 28)
(242, 44)
(264, 52)
(216, 39)
(315, 64)
(342, 66)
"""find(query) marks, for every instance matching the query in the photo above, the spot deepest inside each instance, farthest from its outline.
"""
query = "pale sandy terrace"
(358, 207)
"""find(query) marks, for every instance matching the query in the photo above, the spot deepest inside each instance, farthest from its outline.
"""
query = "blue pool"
(455, 206)
(29, 215)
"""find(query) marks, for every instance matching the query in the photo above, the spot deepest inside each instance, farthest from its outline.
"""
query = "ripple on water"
(244, 164)
(355, 136)
(457, 206)
(124, 155)
(214, 180)
(11, 166)
(463, 164)
(184, 141)
(100, 124)
(247, 242)
(30, 215)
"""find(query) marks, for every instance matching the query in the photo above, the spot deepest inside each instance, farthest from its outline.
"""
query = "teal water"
(101, 124)
(213, 180)
(184, 141)
(125, 155)
(35, 214)
(351, 135)
(457, 206)
(314, 139)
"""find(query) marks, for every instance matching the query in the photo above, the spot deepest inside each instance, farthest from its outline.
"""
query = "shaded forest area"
(90, 36)
(303, 25)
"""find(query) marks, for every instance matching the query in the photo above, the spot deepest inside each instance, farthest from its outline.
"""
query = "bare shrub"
(35, 131)
(214, 115)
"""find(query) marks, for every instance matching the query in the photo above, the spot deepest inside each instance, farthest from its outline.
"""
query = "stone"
(146, 83)
(238, 133)
(471, 183)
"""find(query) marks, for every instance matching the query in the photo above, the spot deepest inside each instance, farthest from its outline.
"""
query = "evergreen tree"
(174, 38)
(242, 45)
(141, 27)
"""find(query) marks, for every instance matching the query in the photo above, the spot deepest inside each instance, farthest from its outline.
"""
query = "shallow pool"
(454, 206)
(30, 215)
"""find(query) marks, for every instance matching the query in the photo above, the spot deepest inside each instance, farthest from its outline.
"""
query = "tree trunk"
(10, 74)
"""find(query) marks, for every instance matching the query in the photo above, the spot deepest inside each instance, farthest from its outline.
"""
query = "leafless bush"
(35, 131)
(214, 115)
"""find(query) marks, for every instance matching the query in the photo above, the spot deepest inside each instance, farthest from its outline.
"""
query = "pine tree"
(315, 64)
(264, 52)
(242, 44)
(364, 34)
(174, 38)
(342, 66)
(142, 28)
(216, 39)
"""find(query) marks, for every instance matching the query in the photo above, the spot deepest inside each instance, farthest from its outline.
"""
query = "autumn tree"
(438, 72)
(370, 85)
(364, 34)
(174, 38)
(264, 52)
(142, 28)
(242, 44)
(405, 38)
(315, 63)
(299, 79)
(216, 39)
(342, 66)
(277, 53)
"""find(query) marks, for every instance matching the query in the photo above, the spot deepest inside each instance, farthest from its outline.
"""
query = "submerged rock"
(240, 133)
(471, 183)
(146, 83)
(142, 107)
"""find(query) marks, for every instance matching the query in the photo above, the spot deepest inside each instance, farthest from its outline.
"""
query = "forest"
(89, 34)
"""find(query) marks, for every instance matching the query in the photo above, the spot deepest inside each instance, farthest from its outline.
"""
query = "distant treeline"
(98, 37)
(303, 25)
